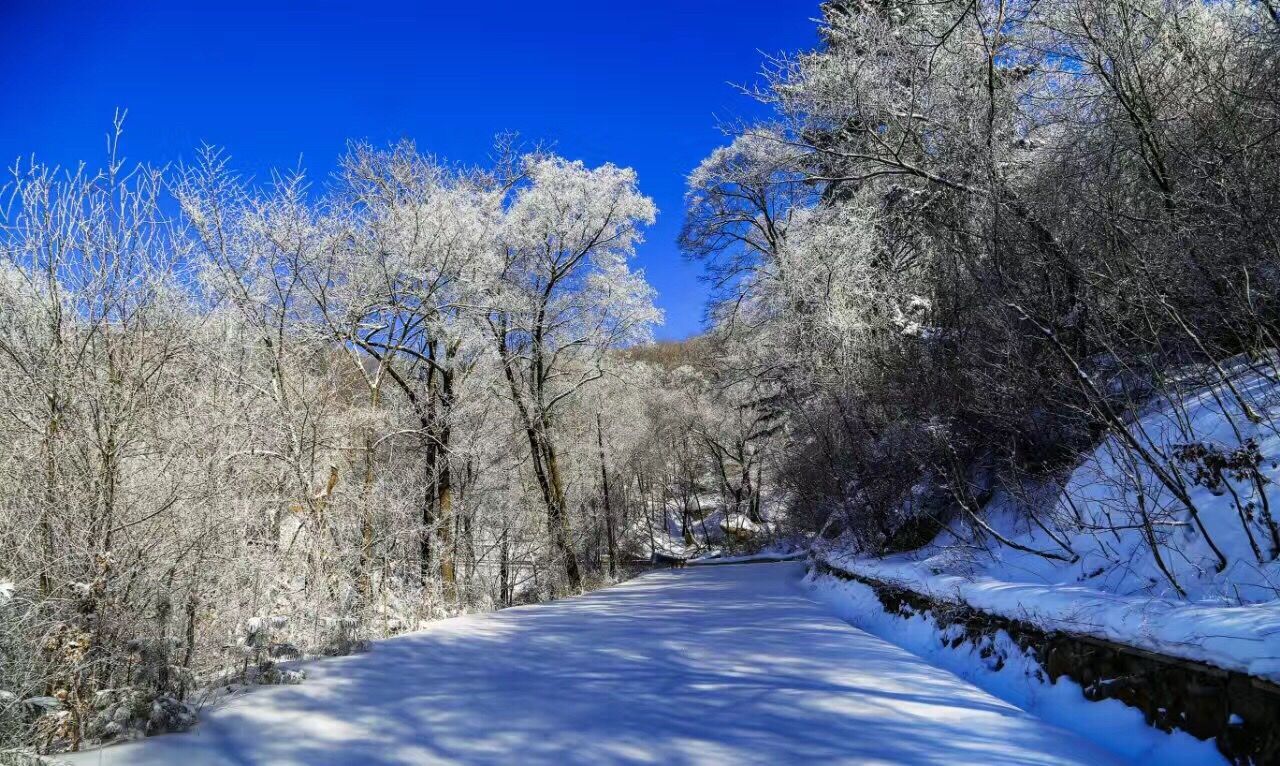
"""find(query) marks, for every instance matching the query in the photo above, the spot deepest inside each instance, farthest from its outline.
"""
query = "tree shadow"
(727, 665)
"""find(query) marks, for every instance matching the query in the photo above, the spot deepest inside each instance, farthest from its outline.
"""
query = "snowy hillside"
(1102, 576)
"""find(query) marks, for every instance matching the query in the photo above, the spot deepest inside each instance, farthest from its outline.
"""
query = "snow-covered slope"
(1111, 585)
(1243, 638)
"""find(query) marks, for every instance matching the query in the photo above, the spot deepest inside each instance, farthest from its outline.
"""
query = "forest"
(974, 243)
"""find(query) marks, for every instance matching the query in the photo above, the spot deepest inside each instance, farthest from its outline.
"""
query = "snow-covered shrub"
(151, 663)
(131, 713)
(261, 648)
(270, 673)
(739, 528)
(283, 651)
(27, 758)
(344, 638)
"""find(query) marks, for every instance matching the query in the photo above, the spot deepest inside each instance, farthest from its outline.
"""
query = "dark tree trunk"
(604, 493)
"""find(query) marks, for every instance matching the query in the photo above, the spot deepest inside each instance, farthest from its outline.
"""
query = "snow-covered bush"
(131, 713)
(26, 758)
(262, 646)
(343, 637)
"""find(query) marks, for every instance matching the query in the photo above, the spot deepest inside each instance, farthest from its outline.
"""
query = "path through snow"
(727, 664)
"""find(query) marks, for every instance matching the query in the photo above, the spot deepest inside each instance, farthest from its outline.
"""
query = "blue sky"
(634, 83)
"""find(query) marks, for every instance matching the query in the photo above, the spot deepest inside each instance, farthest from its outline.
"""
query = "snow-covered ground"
(782, 551)
(1114, 587)
(999, 666)
(763, 557)
(731, 664)
(1243, 638)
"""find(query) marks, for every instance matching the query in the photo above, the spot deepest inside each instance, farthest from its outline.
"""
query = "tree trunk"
(504, 570)
(604, 492)
(444, 522)
(559, 520)
(444, 484)
(542, 454)
(189, 651)
(364, 577)
(431, 499)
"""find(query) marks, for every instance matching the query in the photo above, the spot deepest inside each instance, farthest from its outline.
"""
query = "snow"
(786, 550)
(1019, 680)
(1242, 638)
(729, 664)
(748, 558)
(1115, 589)
(1103, 488)
(738, 524)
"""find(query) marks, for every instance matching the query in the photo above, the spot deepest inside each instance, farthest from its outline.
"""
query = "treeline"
(241, 423)
(976, 237)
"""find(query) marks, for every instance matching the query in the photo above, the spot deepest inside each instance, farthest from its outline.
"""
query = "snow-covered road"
(727, 664)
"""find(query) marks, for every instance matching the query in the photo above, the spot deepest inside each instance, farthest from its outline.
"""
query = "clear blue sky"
(631, 82)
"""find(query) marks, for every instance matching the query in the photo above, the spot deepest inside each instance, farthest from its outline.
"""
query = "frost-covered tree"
(403, 291)
(245, 422)
(974, 236)
(565, 296)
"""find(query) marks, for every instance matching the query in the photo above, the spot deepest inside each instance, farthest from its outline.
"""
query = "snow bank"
(1241, 638)
(783, 550)
(761, 557)
(1111, 586)
(1000, 668)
